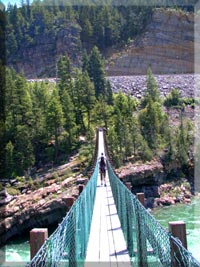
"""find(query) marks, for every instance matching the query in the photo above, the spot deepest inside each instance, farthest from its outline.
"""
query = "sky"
(18, 2)
(5, 2)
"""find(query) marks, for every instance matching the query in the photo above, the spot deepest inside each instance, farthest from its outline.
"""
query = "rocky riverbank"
(41, 202)
(172, 193)
(151, 179)
(38, 208)
(48, 204)
(136, 85)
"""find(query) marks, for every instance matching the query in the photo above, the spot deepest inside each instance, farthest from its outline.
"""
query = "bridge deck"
(106, 242)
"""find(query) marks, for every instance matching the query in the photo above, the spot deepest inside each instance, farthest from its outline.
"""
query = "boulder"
(150, 173)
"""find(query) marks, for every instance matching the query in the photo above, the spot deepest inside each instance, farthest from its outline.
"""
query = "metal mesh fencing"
(67, 246)
(148, 243)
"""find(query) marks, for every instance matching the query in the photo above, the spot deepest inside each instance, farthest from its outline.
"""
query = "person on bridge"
(102, 169)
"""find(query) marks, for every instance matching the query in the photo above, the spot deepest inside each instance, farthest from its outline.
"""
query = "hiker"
(102, 169)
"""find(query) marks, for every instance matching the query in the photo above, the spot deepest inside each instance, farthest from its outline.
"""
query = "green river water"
(190, 214)
(18, 249)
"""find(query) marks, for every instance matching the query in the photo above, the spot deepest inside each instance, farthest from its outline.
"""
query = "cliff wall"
(167, 44)
(39, 59)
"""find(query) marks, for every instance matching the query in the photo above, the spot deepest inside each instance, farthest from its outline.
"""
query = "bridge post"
(121, 179)
(73, 241)
(37, 239)
(140, 197)
(128, 185)
(80, 188)
(69, 201)
(177, 229)
(142, 245)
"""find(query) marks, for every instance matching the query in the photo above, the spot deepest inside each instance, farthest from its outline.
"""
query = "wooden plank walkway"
(106, 246)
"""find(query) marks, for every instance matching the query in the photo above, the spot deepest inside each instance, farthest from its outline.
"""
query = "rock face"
(139, 174)
(167, 44)
(149, 178)
(39, 59)
(39, 208)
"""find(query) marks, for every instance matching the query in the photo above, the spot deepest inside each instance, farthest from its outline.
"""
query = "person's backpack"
(102, 162)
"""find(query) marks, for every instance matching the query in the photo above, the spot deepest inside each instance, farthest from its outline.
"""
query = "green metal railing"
(68, 244)
(148, 243)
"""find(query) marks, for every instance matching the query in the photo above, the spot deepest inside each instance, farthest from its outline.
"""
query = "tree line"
(140, 130)
(102, 25)
(44, 120)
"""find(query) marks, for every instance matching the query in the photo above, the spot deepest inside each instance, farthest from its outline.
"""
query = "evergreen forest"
(105, 24)
(100, 26)
(44, 121)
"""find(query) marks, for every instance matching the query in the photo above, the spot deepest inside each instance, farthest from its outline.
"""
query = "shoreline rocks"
(151, 180)
(39, 208)
(139, 174)
(170, 194)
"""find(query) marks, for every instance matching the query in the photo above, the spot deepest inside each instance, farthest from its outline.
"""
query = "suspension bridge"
(108, 226)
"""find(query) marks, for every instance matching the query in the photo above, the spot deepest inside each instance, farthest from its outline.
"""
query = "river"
(190, 214)
(18, 249)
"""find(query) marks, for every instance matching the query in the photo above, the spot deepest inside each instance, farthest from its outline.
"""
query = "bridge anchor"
(177, 229)
(37, 239)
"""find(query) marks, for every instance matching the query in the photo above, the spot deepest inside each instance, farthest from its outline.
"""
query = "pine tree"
(9, 160)
(173, 99)
(145, 152)
(40, 99)
(64, 73)
(2, 116)
(78, 93)
(121, 104)
(70, 120)
(88, 96)
(152, 89)
(135, 134)
(96, 71)
(109, 93)
(102, 113)
(19, 121)
(55, 120)
(22, 104)
(152, 117)
(182, 145)
(149, 122)
(85, 62)
(23, 150)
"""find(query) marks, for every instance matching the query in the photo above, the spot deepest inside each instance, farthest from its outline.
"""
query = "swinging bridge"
(108, 226)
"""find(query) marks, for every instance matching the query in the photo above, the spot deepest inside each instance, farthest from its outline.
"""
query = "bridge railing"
(67, 245)
(148, 243)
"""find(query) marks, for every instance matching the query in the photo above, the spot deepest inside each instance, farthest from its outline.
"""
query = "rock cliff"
(150, 178)
(38, 59)
(167, 44)
(39, 208)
